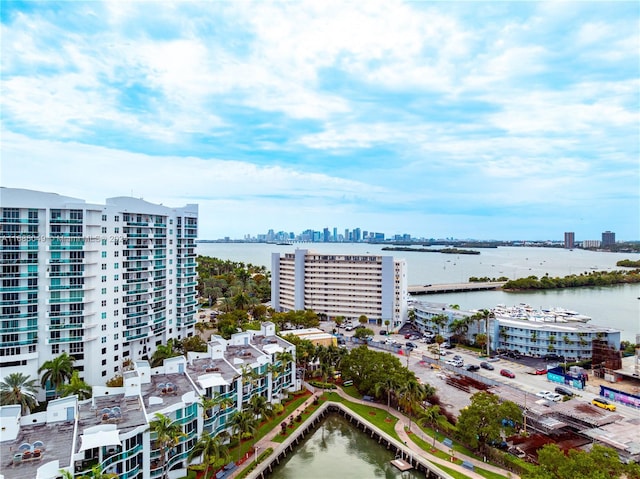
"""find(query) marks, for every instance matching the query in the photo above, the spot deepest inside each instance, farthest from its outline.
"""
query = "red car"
(507, 373)
(540, 371)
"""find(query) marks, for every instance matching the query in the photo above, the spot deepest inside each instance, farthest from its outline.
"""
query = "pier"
(454, 287)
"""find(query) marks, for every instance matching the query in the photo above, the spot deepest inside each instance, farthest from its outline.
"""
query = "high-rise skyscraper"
(608, 238)
(569, 239)
(103, 283)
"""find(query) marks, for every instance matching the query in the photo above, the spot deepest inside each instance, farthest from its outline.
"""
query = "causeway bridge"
(454, 287)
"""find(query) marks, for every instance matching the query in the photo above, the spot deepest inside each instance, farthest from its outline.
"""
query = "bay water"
(613, 306)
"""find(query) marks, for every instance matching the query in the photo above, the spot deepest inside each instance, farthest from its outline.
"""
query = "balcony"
(60, 221)
(137, 223)
(24, 221)
(72, 339)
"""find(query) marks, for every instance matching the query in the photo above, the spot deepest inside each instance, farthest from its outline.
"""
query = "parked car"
(407, 336)
(563, 391)
(486, 365)
(349, 327)
(383, 332)
(472, 367)
(543, 394)
(448, 346)
(507, 374)
(604, 404)
(409, 344)
(540, 371)
(555, 397)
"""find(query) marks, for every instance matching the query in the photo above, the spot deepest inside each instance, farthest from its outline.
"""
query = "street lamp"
(256, 453)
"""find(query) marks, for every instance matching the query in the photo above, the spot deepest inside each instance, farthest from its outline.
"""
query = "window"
(115, 312)
(115, 265)
(55, 349)
(104, 302)
(104, 279)
(103, 339)
(116, 218)
(104, 362)
(104, 290)
(104, 373)
(104, 217)
(115, 301)
(115, 325)
(116, 254)
(104, 266)
(103, 315)
(115, 337)
(104, 350)
(116, 230)
(103, 242)
(115, 289)
(104, 254)
(116, 277)
(115, 347)
(104, 327)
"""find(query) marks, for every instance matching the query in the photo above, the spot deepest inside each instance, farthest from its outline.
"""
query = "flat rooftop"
(57, 438)
(167, 388)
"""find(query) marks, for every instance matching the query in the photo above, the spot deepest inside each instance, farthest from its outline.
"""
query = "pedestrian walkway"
(267, 442)
(406, 439)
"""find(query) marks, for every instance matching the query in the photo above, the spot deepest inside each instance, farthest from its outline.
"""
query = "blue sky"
(503, 120)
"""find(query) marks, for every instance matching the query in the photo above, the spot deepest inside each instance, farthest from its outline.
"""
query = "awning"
(99, 439)
(211, 380)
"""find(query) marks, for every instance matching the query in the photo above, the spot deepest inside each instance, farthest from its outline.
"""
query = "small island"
(592, 278)
(627, 263)
(430, 250)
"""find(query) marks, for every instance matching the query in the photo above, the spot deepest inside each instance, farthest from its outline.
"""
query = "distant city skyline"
(484, 120)
(357, 234)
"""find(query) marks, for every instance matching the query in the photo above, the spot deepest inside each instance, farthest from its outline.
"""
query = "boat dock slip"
(400, 464)
(454, 288)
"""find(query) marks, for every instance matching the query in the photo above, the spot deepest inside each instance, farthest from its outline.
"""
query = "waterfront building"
(523, 330)
(569, 240)
(104, 283)
(112, 429)
(340, 285)
(588, 244)
(608, 239)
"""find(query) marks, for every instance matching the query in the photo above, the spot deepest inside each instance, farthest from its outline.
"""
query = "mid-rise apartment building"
(340, 285)
(104, 283)
(112, 429)
(608, 238)
(569, 239)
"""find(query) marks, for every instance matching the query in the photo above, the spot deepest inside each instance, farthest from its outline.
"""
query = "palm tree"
(439, 321)
(387, 386)
(412, 393)
(76, 386)
(56, 371)
(98, 473)
(168, 435)
(17, 388)
(260, 407)
(208, 404)
(210, 448)
(165, 351)
(484, 315)
(242, 422)
(430, 416)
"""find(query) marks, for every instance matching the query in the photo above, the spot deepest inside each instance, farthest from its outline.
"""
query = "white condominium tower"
(340, 285)
(104, 283)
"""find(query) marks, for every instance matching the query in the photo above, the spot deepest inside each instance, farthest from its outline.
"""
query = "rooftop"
(165, 390)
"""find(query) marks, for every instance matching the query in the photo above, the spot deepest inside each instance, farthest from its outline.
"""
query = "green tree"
(430, 416)
(260, 407)
(210, 449)
(18, 388)
(387, 386)
(362, 333)
(167, 435)
(412, 393)
(56, 371)
(482, 420)
(599, 463)
(208, 405)
(243, 422)
(165, 351)
(362, 319)
(76, 386)
(339, 320)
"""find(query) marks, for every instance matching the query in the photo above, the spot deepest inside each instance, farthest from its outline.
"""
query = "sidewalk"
(267, 441)
(406, 438)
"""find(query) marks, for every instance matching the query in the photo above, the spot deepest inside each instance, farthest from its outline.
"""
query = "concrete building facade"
(105, 283)
(112, 429)
(340, 285)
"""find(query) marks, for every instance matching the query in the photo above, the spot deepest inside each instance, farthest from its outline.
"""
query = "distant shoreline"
(431, 250)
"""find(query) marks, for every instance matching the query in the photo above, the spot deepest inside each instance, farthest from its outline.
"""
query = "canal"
(338, 449)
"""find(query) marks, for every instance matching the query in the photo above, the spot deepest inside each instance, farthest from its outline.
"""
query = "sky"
(485, 120)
